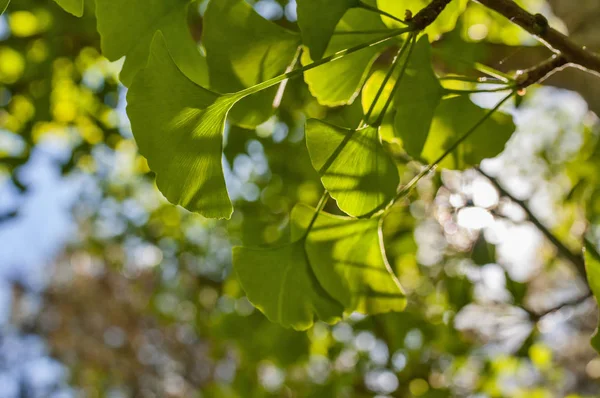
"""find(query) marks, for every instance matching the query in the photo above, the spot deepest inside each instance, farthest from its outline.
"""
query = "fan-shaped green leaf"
(453, 118)
(417, 99)
(242, 50)
(354, 167)
(348, 258)
(445, 22)
(74, 7)
(178, 127)
(317, 20)
(281, 283)
(592, 270)
(127, 28)
(338, 82)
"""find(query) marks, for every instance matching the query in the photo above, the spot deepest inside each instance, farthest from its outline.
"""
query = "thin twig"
(575, 258)
(537, 25)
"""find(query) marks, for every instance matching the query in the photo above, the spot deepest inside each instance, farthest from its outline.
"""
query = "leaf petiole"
(333, 57)
(408, 187)
(412, 40)
(366, 6)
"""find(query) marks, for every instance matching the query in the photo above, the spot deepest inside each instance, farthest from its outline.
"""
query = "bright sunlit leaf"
(453, 118)
(349, 261)
(181, 135)
(281, 283)
(354, 166)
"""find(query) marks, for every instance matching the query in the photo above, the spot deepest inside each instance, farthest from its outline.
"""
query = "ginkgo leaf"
(178, 127)
(280, 282)
(354, 167)
(125, 31)
(453, 117)
(242, 50)
(74, 7)
(417, 98)
(3, 5)
(338, 82)
(348, 258)
(317, 20)
(445, 22)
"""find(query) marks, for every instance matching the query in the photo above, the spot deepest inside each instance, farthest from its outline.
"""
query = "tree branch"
(575, 258)
(537, 25)
(536, 316)
(427, 15)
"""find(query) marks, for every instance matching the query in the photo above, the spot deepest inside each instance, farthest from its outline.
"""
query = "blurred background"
(107, 290)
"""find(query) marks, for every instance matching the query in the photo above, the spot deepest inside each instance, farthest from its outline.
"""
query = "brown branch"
(575, 258)
(541, 71)
(427, 15)
(537, 25)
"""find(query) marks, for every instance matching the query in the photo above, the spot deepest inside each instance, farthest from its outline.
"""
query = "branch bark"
(537, 25)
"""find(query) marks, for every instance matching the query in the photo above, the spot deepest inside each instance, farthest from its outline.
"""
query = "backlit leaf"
(453, 118)
(178, 127)
(317, 20)
(244, 49)
(338, 82)
(349, 261)
(127, 28)
(354, 167)
(280, 282)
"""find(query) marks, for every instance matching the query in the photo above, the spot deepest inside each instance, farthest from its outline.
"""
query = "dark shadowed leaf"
(317, 20)
(338, 82)
(127, 32)
(244, 49)
(417, 99)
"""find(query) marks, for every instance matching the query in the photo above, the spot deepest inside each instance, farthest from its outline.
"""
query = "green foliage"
(353, 69)
(354, 167)
(127, 30)
(348, 259)
(486, 142)
(233, 111)
(181, 135)
(255, 51)
(281, 283)
(318, 19)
